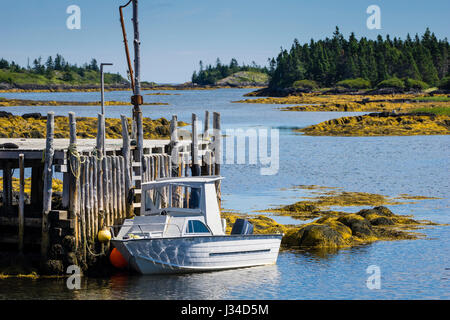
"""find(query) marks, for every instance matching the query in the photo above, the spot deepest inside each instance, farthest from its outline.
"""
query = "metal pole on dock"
(103, 84)
(100, 136)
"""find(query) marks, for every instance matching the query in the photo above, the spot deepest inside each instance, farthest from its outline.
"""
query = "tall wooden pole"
(137, 99)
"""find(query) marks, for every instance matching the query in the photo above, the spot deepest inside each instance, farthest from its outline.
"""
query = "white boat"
(180, 231)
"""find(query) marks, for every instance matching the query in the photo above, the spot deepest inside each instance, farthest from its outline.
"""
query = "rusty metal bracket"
(137, 100)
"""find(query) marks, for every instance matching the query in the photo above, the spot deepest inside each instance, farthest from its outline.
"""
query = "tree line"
(209, 75)
(330, 61)
(55, 65)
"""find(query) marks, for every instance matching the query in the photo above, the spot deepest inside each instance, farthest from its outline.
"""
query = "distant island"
(55, 73)
(233, 74)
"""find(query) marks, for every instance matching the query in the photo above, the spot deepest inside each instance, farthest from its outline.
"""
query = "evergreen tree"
(332, 60)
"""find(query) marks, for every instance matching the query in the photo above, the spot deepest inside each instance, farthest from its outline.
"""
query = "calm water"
(418, 165)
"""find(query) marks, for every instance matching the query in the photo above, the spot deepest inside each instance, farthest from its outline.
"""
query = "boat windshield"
(172, 196)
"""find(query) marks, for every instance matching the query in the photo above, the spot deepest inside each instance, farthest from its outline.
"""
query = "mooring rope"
(74, 152)
(102, 253)
(95, 153)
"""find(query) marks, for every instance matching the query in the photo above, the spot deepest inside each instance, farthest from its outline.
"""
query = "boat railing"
(146, 232)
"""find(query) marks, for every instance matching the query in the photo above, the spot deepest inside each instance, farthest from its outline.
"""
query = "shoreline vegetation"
(5, 88)
(4, 102)
(355, 102)
(33, 125)
(398, 114)
(330, 230)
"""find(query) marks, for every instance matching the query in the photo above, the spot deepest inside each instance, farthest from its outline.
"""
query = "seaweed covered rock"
(69, 243)
(359, 225)
(53, 267)
(34, 126)
(57, 251)
(314, 236)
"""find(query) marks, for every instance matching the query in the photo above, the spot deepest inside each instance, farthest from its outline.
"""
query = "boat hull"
(199, 254)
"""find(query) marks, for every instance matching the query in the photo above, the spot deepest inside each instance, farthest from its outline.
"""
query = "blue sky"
(176, 34)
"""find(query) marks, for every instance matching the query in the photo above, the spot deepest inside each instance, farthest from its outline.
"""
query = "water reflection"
(210, 285)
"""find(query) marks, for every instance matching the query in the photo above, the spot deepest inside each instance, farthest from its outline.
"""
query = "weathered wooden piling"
(174, 144)
(21, 217)
(48, 179)
(74, 173)
(206, 157)
(206, 126)
(7, 186)
(195, 169)
(127, 162)
(217, 152)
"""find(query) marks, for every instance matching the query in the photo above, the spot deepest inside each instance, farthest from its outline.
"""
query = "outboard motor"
(242, 226)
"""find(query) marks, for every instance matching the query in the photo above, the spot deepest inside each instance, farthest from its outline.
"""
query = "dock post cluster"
(98, 187)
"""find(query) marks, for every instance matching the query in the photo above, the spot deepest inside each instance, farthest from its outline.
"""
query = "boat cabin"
(177, 207)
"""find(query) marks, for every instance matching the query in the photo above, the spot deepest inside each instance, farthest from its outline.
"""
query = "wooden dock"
(101, 181)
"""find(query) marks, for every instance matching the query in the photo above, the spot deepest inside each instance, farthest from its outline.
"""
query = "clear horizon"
(176, 35)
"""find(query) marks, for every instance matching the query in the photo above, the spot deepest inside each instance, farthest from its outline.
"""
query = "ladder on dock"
(136, 180)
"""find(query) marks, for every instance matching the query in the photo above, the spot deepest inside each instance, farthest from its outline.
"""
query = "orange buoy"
(117, 260)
